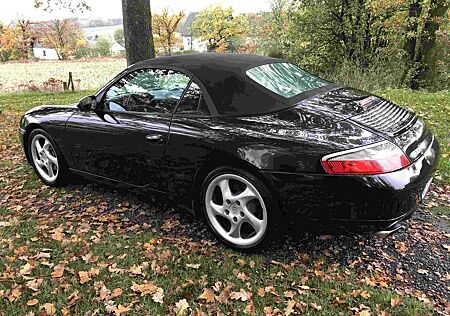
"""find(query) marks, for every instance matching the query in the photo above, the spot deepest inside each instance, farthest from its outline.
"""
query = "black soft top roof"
(223, 75)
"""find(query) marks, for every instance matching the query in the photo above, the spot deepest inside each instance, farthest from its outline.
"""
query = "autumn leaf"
(73, 298)
(290, 307)
(120, 310)
(148, 288)
(158, 296)
(181, 306)
(34, 284)
(250, 308)
(316, 306)
(116, 292)
(49, 308)
(58, 271)
(32, 302)
(395, 301)
(241, 295)
(26, 269)
(15, 294)
(289, 294)
(207, 295)
(261, 292)
(58, 234)
(193, 266)
(84, 277)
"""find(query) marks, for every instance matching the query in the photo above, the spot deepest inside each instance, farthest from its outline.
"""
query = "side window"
(193, 102)
(147, 90)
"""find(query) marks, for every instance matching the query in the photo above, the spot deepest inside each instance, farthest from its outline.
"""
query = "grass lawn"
(92, 73)
(89, 250)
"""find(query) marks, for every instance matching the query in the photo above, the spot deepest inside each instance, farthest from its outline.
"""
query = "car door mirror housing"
(88, 103)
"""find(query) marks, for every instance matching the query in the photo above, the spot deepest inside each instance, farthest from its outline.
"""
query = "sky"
(13, 9)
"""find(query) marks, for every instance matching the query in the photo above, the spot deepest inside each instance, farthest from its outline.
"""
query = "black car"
(249, 142)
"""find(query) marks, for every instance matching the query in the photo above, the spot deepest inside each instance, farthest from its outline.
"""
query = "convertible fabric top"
(224, 77)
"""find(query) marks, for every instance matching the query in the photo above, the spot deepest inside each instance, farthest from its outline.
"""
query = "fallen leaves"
(32, 302)
(49, 308)
(242, 295)
(58, 271)
(149, 289)
(422, 271)
(395, 301)
(84, 277)
(207, 295)
(193, 265)
(58, 234)
(26, 269)
(34, 284)
(181, 307)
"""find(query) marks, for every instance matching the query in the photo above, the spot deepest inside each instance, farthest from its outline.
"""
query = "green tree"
(218, 27)
(119, 37)
(103, 46)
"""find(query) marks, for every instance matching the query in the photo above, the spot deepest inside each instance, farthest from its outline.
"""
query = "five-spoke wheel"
(46, 158)
(236, 210)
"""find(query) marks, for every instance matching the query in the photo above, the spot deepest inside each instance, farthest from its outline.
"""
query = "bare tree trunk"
(137, 28)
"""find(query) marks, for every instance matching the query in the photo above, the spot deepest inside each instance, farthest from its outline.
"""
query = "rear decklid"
(363, 108)
(380, 116)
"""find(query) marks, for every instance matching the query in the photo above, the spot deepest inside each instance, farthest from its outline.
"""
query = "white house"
(40, 52)
(189, 41)
(117, 49)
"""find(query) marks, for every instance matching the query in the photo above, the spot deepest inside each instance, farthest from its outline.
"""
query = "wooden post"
(69, 85)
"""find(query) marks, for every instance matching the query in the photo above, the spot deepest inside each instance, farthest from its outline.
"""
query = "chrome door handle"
(154, 138)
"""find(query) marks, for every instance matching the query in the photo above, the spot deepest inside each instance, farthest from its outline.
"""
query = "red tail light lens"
(377, 158)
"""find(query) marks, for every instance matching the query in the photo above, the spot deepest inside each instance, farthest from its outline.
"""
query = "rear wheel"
(237, 208)
(46, 158)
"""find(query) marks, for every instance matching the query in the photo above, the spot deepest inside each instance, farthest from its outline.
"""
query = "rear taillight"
(372, 159)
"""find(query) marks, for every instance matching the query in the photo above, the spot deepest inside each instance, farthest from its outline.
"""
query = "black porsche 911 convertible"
(249, 142)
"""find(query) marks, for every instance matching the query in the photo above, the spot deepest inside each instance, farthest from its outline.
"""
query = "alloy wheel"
(236, 210)
(44, 158)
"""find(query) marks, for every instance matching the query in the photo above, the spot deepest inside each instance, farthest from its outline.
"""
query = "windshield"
(285, 79)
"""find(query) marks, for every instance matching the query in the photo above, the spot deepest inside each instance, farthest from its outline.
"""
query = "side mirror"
(87, 103)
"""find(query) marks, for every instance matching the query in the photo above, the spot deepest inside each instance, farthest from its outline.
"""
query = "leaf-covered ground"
(89, 249)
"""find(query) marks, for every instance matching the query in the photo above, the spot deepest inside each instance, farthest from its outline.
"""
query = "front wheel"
(238, 208)
(46, 158)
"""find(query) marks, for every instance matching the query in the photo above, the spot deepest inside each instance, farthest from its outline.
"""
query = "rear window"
(285, 79)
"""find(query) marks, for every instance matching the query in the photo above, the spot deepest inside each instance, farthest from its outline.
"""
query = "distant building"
(189, 42)
(40, 52)
(117, 49)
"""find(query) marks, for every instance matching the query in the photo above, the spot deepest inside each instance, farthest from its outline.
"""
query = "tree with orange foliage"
(164, 27)
(65, 36)
(8, 42)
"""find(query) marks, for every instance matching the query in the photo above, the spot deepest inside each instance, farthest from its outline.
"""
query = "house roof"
(117, 47)
(185, 27)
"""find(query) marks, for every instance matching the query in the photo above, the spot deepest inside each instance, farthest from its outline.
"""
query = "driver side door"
(125, 138)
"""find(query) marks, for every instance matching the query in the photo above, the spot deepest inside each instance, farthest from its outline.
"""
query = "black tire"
(63, 174)
(269, 201)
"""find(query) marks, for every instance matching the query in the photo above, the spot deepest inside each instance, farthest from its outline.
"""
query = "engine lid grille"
(386, 117)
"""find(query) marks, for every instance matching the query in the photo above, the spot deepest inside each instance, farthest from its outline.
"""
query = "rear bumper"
(372, 201)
